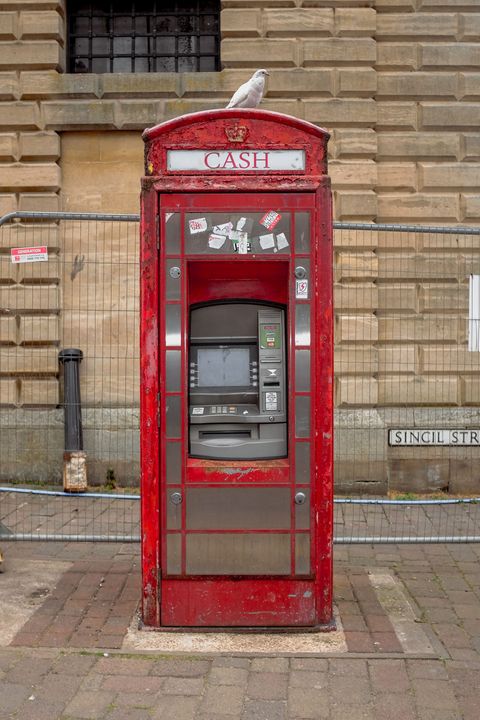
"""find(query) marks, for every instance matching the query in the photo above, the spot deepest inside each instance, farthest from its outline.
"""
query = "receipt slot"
(236, 373)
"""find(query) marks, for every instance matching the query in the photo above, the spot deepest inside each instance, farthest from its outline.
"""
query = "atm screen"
(223, 366)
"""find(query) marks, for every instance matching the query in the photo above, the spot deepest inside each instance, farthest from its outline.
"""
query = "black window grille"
(134, 37)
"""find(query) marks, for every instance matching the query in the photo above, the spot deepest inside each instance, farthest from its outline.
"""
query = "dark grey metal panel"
(238, 508)
(302, 370)
(173, 407)
(174, 462)
(302, 512)
(302, 232)
(238, 554)
(173, 327)
(302, 554)
(174, 366)
(302, 324)
(302, 462)
(174, 554)
(302, 416)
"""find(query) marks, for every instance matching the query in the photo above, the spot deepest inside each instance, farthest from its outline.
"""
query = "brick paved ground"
(52, 683)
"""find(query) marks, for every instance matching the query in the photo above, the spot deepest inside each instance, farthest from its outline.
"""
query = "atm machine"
(237, 377)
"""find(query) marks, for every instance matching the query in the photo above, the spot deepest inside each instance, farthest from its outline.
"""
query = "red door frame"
(317, 189)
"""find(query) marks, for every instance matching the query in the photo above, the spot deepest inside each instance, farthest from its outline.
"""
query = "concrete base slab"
(159, 641)
(24, 586)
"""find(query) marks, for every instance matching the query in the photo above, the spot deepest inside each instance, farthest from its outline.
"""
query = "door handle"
(300, 498)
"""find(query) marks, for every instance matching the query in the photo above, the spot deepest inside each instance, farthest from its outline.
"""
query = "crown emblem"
(236, 132)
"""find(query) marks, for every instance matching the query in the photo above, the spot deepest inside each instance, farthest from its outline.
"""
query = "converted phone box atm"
(236, 373)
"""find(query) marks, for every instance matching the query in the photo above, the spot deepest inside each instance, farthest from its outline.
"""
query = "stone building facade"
(396, 82)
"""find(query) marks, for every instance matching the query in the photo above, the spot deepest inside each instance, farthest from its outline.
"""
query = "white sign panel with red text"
(236, 160)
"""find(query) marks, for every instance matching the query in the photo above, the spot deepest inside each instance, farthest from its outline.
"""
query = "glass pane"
(172, 233)
(165, 64)
(187, 64)
(82, 46)
(208, 64)
(123, 25)
(238, 508)
(174, 511)
(240, 233)
(101, 46)
(141, 45)
(100, 25)
(302, 554)
(174, 554)
(302, 324)
(165, 45)
(187, 45)
(173, 409)
(174, 366)
(123, 64)
(100, 65)
(173, 462)
(302, 232)
(81, 25)
(302, 462)
(122, 46)
(236, 554)
(81, 65)
(141, 24)
(302, 512)
(302, 416)
(207, 44)
(302, 370)
(173, 285)
(173, 334)
(142, 65)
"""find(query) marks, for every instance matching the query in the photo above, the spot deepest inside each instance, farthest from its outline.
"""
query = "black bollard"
(74, 467)
(71, 360)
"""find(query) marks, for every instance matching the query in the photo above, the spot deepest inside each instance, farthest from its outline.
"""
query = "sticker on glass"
(245, 224)
(168, 216)
(223, 229)
(270, 219)
(198, 225)
(282, 241)
(216, 241)
(267, 242)
(240, 242)
(301, 290)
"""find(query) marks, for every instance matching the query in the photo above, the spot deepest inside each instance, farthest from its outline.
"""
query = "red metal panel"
(149, 436)
(231, 602)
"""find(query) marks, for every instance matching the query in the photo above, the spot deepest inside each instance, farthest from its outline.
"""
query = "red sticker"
(270, 219)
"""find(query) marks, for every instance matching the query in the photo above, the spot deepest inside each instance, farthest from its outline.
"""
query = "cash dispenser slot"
(237, 382)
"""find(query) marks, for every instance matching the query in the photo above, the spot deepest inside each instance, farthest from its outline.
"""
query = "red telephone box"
(236, 373)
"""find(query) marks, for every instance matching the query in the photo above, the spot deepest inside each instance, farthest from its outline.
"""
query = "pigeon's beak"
(266, 72)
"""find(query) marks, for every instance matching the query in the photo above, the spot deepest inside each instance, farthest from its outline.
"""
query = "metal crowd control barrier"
(407, 305)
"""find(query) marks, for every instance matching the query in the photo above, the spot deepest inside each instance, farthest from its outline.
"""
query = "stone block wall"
(396, 82)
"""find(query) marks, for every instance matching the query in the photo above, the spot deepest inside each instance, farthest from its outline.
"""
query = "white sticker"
(270, 219)
(216, 241)
(223, 229)
(197, 226)
(241, 223)
(282, 241)
(243, 244)
(267, 241)
(301, 289)
(168, 216)
(197, 411)
(29, 254)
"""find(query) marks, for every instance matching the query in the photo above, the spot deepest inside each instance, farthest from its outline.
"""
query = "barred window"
(134, 37)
